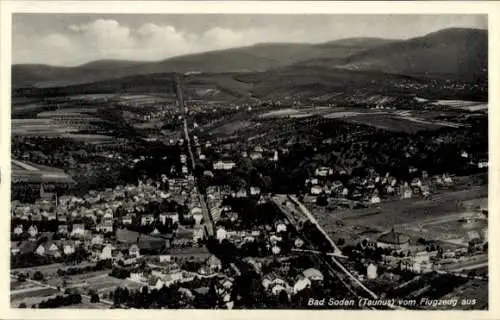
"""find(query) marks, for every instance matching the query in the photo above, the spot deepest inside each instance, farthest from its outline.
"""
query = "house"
(198, 234)
(315, 190)
(198, 217)
(14, 248)
(134, 251)
(255, 155)
(213, 263)
(280, 227)
(174, 216)
(407, 193)
(196, 210)
(136, 276)
(147, 219)
(62, 229)
(27, 247)
(127, 220)
(33, 231)
(78, 230)
(108, 215)
(18, 230)
(97, 240)
(394, 240)
(299, 243)
(221, 234)
(323, 171)
(107, 252)
(254, 191)
(183, 238)
(69, 247)
(105, 226)
(224, 165)
(313, 274)
(375, 199)
(371, 271)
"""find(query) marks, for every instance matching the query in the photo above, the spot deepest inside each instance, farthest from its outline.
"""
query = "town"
(251, 190)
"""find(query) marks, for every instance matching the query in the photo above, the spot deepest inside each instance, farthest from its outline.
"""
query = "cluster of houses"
(165, 271)
(278, 281)
(101, 208)
(371, 188)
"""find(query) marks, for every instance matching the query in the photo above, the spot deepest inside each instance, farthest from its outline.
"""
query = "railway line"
(336, 268)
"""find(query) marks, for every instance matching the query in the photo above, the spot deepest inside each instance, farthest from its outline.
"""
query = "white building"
(224, 165)
(221, 234)
(78, 230)
(371, 271)
(315, 190)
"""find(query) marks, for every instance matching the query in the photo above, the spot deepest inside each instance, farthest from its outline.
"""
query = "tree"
(340, 241)
(21, 277)
(38, 276)
(94, 297)
(22, 305)
(322, 200)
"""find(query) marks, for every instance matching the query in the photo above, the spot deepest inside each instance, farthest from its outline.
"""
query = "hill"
(456, 54)
(255, 58)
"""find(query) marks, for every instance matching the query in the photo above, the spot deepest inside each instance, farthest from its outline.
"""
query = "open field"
(462, 104)
(436, 218)
(391, 120)
(29, 301)
(34, 292)
(394, 123)
(473, 289)
(231, 128)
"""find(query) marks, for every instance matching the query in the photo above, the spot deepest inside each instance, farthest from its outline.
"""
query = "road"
(208, 220)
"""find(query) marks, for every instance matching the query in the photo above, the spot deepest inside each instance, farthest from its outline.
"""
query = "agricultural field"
(35, 291)
(437, 218)
(473, 289)
(231, 128)
(462, 104)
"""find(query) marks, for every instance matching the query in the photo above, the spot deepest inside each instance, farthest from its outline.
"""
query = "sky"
(74, 39)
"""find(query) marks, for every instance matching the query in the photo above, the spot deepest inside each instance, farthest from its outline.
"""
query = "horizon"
(70, 40)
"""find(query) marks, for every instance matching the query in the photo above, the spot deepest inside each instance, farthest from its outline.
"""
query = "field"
(436, 218)
(462, 104)
(391, 120)
(231, 128)
(472, 290)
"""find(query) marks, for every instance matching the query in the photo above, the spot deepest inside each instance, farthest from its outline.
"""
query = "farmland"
(391, 120)
(436, 218)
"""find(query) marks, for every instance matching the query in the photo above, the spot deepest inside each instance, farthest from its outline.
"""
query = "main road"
(209, 225)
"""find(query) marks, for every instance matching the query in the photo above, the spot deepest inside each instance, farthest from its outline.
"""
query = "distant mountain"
(447, 54)
(450, 54)
(255, 58)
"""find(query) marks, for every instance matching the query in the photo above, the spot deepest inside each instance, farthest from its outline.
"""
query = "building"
(224, 165)
(313, 274)
(33, 231)
(394, 240)
(371, 271)
(18, 230)
(315, 190)
(106, 253)
(78, 230)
